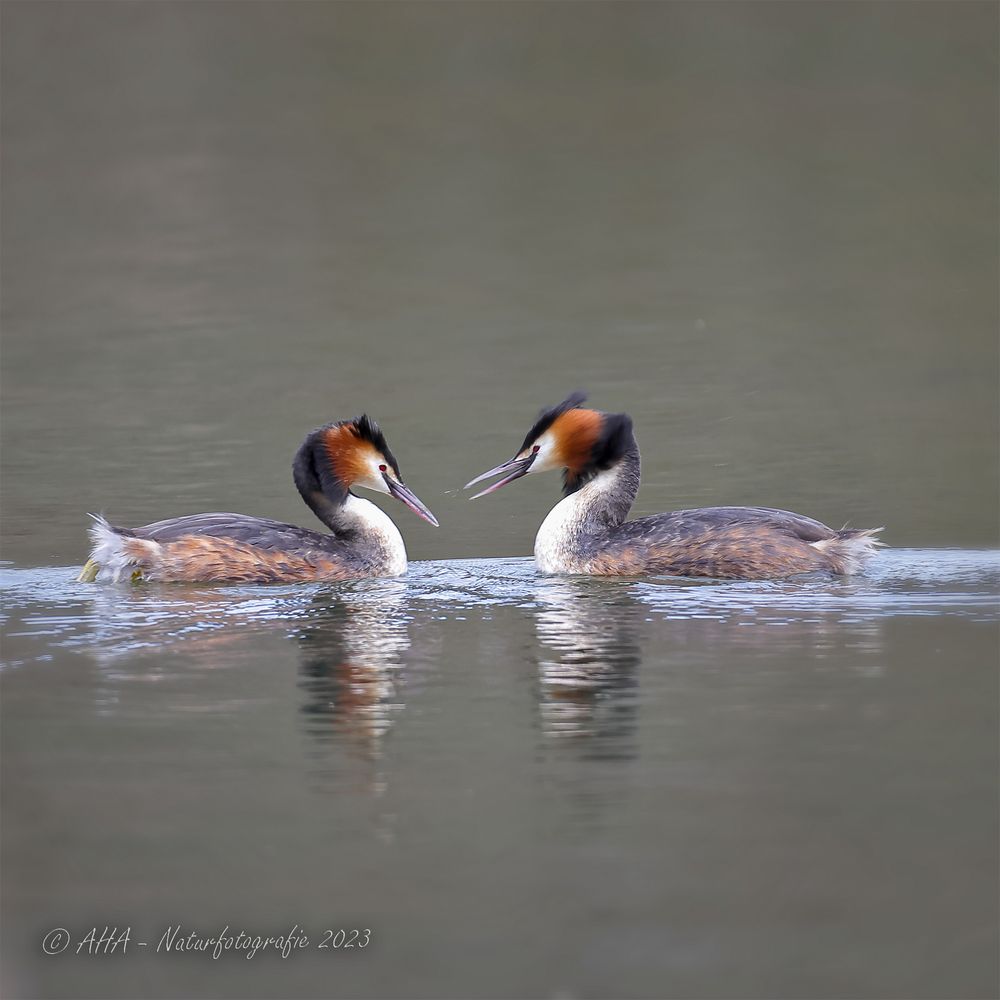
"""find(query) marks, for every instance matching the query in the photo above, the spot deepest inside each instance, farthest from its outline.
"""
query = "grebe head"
(581, 442)
(335, 459)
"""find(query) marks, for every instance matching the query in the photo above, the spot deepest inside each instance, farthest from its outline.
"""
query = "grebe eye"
(535, 449)
(382, 468)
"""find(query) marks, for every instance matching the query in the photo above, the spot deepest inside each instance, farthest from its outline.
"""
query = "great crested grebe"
(236, 548)
(586, 532)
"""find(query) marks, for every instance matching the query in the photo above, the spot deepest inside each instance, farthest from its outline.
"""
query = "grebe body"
(237, 548)
(587, 531)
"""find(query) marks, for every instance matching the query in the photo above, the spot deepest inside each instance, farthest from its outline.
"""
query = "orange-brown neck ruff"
(347, 453)
(576, 432)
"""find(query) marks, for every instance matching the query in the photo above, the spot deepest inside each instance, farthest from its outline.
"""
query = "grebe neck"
(601, 504)
(374, 533)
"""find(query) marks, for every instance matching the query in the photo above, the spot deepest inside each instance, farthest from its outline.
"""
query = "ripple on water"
(47, 605)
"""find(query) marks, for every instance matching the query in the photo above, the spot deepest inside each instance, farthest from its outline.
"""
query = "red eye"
(381, 468)
(536, 449)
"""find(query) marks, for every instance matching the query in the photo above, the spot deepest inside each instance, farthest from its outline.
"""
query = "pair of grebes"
(585, 533)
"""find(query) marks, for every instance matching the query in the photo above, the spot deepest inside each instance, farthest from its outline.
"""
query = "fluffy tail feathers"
(116, 554)
(850, 549)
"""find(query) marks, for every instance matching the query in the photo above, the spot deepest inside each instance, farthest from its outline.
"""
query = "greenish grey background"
(768, 231)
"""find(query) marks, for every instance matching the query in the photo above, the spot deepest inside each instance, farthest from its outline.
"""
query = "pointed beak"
(517, 467)
(403, 492)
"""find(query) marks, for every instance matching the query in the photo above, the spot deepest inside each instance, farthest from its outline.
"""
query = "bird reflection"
(588, 664)
(351, 658)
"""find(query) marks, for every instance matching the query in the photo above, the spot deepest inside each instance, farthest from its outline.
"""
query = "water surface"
(639, 787)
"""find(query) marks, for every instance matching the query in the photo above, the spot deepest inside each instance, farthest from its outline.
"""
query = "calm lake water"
(769, 232)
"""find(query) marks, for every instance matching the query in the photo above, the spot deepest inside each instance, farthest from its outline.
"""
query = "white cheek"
(373, 478)
(547, 457)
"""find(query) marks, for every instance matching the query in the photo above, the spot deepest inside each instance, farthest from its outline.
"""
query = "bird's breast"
(557, 544)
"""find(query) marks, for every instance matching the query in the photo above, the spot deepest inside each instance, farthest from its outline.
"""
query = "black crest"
(366, 429)
(548, 417)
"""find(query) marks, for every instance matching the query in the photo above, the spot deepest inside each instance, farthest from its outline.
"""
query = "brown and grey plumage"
(237, 548)
(587, 531)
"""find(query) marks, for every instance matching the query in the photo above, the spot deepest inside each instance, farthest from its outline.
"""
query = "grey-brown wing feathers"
(732, 542)
(681, 524)
(258, 531)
